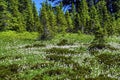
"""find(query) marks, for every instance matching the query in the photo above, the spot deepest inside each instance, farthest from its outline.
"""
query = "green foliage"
(69, 22)
(53, 22)
(108, 59)
(53, 62)
(18, 15)
(4, 16)
(94, 22)
(46, 28)
(9, 72)
(101, 77)
(60, 51)
(84, 14)
(61, 21)
(77, 23)
(36, 18)
(64, 42)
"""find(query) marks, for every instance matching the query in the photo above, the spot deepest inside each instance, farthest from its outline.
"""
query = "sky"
(37, 2)
(38, 5)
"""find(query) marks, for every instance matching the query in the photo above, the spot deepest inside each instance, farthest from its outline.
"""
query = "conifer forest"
(61, 40)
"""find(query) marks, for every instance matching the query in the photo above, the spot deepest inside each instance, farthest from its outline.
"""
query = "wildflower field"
(66, 57)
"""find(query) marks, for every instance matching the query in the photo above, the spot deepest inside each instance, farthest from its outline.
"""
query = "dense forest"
(64, 40)
(83, 16)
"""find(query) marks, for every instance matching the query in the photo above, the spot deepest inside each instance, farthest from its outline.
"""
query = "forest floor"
(66, 57)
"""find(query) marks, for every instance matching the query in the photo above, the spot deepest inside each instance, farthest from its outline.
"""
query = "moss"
(38, 77)
(81, 71)
(60, 51)
(56, 72)
(64, 42)
(39, 45)
(109, 59)
(57, 58)
(41, 65)
(52, 72)
(34, 45)
(101, 77)
(8, 71)
(4, 57)
(12, 57)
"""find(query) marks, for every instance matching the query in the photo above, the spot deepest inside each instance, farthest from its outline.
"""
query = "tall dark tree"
(94, 22)
(25, 7)
(84, 15)
(96, 29)
(77, 23)
(61, 21)
(68, 2)
(17, 23)
(5, 16)
(36, 23)
(69, 22)
(52, 21)
(105, 17)
(46, 29)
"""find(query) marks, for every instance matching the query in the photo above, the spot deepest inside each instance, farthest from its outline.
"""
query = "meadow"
(66, 57)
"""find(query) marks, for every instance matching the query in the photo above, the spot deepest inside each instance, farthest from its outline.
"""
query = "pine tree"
(97, 30)
(45, 23)
(84, 14)
(61, 21)
(36, 24)
(52, 21)
(106, 18)
(29, 17)
(94, 22)
(25, 7)
(73, 14)
(17, 23)
(5, 16)
(69, 22)
(77, 23)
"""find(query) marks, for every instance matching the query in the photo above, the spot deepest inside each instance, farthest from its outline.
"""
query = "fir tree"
(5, 16)
(106, 19)
(36, 24)
(98, 31)
(73, 14)
(69, 22)
(94, 22)
(61, 21)
(77, 23)
(45, 23)
(84, 14)
(52, 22)
(25, 7)
(17, 23)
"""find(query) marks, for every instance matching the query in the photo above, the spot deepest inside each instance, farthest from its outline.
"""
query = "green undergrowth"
(65, 57)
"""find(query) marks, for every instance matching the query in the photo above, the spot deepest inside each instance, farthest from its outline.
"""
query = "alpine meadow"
(62, 40)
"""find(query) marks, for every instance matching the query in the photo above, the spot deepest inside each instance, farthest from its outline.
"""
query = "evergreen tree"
(84, 14)
(77, 23)
(97, 30)
(61, 21)
(69, 22)
(52, 22)
(94, 22)
(45, 23)
(25, 7)
(5, 16)
(36, 24)
(73, 14)
(29, 17)
(106, 19)
(17, 23)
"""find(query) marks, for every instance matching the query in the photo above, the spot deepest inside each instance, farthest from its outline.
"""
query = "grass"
(65, 57)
